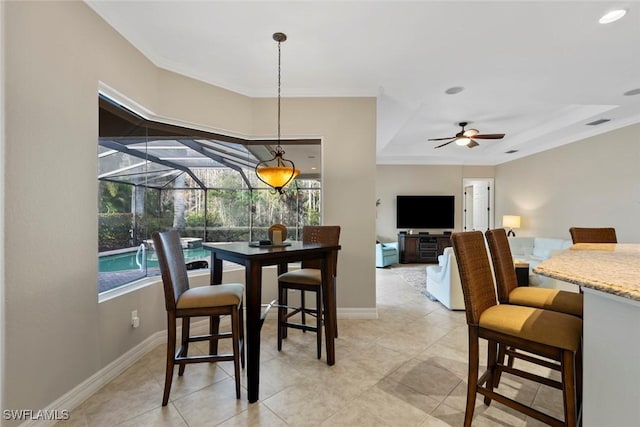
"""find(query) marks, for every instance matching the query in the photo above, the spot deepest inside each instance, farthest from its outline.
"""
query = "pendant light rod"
(284, 171)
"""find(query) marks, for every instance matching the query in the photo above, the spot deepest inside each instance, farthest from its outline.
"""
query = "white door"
(467, 223)
(478, 201)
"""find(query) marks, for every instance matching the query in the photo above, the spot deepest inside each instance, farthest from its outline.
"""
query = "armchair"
(386, 254)
(443, 281)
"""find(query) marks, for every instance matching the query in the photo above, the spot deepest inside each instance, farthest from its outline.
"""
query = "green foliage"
(114, 197)
(196, 219)
(113, 231)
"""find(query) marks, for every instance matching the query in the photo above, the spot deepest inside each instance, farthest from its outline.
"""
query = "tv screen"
(425, 211)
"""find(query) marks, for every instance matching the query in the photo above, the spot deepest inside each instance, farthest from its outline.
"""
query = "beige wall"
(57, 334)
(590, 183)
(394, 180)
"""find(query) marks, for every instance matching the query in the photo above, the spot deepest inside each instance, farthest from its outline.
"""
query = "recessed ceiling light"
(612, 16)
(453, 90)
(632, 92)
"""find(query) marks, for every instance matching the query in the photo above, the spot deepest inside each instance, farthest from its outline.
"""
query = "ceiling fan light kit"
(465, 137)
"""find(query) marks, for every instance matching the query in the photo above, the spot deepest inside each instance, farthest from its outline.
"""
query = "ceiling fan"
(466, 137)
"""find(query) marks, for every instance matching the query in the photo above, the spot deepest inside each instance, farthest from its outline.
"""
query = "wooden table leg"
(253, 292)
(214, 321)
(329, 302)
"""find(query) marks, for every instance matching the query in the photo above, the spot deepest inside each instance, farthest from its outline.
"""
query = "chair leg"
(235, 337)
(171, 348)
(319, 319)
(302, 310)
(335, 298)
(502, 349)
(472, 382)
(569, 388)
(186, 327)
(241, 322)
(491, 368)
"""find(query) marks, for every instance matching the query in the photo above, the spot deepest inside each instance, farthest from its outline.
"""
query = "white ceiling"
(537, 71)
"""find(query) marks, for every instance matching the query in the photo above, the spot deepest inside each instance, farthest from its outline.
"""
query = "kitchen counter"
(609, 275)
(613, 268)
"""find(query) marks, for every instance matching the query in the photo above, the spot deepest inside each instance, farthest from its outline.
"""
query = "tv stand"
(421, 248)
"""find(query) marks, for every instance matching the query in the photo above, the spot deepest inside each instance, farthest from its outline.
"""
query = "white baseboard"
(73, 398)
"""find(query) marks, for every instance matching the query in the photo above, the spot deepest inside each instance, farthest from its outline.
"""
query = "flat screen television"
(425, 211)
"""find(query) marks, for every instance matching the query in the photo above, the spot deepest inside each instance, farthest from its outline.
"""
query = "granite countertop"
(613, 268)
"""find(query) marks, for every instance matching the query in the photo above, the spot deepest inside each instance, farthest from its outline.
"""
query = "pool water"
(127, 260)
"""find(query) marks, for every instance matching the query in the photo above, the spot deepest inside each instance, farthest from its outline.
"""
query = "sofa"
(386, 254)
(534, 250)
(443, 281)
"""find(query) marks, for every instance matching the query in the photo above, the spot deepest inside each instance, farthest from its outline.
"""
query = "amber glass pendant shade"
(277, 172)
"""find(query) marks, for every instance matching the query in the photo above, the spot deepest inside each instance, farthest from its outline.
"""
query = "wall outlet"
(135, 320)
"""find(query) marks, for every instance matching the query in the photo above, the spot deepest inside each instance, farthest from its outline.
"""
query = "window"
(154, 176)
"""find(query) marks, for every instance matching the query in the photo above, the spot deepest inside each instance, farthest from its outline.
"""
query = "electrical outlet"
(135, 320)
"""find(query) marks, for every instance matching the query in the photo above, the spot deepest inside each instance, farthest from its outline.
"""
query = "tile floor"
(406, 368)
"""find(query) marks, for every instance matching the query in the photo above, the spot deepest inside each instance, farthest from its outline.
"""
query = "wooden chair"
(555, 336)
(307, 279)
(593, 235)
(184, 303)
(507, 282)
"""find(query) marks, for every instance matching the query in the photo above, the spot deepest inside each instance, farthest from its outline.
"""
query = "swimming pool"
(130, 260)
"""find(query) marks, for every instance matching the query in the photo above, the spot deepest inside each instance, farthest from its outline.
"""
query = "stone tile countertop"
(613, 268)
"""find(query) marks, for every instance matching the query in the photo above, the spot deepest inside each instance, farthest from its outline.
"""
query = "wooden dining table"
(609, 275)
(253, 258)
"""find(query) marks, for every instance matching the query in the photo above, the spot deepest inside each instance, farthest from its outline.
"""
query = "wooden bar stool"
(544, 333)
(184, 303)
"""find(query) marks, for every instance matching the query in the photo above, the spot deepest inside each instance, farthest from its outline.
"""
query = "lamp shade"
(277, 176)
(511, 221)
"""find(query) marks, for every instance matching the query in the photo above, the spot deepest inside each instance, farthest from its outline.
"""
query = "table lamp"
(511, 222)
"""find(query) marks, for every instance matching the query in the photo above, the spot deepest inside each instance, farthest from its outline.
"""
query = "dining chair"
(507, 282)
(593, 235)
(307, 279)
(544, 333)
(183, 302)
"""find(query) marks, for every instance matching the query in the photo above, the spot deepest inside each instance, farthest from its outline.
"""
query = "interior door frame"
(487, 183)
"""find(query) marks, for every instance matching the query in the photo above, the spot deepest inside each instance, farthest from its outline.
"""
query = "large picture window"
(154, 176)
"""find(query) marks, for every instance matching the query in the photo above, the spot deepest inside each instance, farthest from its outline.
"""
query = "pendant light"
(278, 171)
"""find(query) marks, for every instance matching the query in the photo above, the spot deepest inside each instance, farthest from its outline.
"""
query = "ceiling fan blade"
(472, 144)
(446, 143)
(440, 139)
(490, 136)
(470, 133)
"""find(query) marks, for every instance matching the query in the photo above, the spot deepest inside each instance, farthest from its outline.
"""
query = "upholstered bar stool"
(543, 333)
(307, 279)
(593, 235)
(184, 303)
(507, 282)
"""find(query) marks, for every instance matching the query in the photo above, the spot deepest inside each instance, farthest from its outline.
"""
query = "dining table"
(609, 276)
(254, 256)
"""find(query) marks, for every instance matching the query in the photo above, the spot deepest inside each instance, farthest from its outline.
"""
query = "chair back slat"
(326, 234)
(172, 266)
(506, 278)
(475, 273)
(593, 235)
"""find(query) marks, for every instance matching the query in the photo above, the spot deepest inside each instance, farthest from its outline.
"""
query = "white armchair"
(443, 281)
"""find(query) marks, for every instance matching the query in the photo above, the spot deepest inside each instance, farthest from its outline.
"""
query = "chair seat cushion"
(543, 326)
(304, 276)
(549, 299)
(211, 296)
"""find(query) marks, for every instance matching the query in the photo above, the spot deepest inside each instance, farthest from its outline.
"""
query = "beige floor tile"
(167, 416)
(256, 415)
(406, 368)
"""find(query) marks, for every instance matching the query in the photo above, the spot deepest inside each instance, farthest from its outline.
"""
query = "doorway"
(477, 204)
